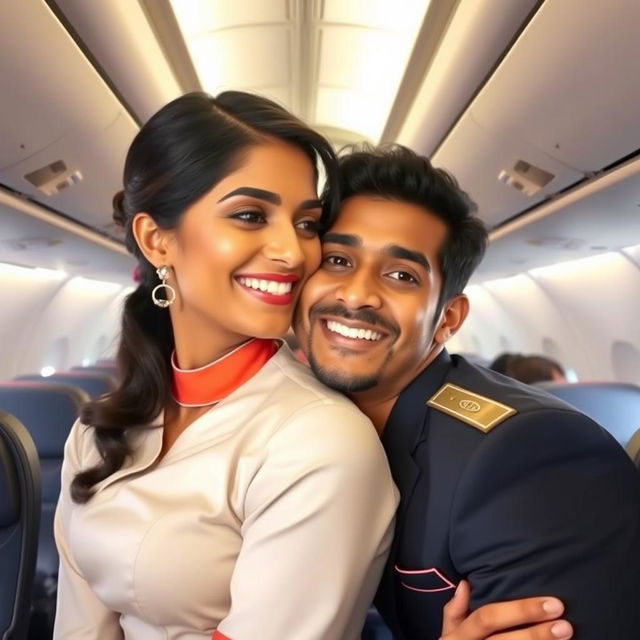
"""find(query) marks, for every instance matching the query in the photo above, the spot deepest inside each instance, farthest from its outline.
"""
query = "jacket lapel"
(404, 430)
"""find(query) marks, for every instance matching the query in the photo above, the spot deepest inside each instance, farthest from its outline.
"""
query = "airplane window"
(625, 359)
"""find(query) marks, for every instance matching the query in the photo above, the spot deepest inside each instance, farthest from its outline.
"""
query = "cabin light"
(36, 273)
(47, 371)
(355, 53)
(569, 267)
(90, 284)
(518, 282)
(86, 362)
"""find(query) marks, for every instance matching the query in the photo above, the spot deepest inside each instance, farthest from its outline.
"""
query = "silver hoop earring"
(163, 274)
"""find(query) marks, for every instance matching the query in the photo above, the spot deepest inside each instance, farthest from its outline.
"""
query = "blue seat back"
(94, 382)
(110, 369)
(615, 406)
(19, 525)
(48, 411)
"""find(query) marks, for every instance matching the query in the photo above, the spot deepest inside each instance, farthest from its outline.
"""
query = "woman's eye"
(336, 261)
(251, 217)
(309, 226)
(403, 276)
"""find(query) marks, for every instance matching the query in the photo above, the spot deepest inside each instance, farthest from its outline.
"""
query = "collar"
(212, 383)
(404, 425)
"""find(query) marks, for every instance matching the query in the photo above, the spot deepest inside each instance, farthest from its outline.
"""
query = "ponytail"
(144, 366)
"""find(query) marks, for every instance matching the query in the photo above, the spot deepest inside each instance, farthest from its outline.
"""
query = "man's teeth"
(269, 286)
(348, 332)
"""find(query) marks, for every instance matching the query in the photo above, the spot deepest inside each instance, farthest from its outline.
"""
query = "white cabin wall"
(49, 319)
(583, 313)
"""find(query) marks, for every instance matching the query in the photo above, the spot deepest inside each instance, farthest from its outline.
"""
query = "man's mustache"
(361, 315)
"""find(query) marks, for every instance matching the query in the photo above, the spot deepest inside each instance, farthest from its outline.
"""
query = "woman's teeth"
(268, 286)
(348, 332)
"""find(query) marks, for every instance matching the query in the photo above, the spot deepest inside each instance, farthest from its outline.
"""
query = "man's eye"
(403, 276)
(249, 216)
(336, 261)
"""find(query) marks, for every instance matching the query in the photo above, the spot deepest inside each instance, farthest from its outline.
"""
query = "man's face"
(367, 317)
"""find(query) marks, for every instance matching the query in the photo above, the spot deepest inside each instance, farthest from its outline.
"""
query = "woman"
(220, 490)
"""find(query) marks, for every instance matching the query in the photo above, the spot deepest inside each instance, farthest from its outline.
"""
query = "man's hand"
(492, 621)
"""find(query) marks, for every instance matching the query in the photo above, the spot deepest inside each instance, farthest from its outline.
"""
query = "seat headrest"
(95, 383)
(9, 489)
(615, 406)
(47, 411)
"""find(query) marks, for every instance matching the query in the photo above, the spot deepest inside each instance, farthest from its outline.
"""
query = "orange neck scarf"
(212, 383)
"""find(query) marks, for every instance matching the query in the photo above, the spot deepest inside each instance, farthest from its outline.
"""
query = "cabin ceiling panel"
(339, 64)
(98, 157)
(245, 57)
(30, 242)
(57, 111)
(35, 88)
(197, 17)
(570, 86)
(607, 220)
(476, 157)
(375, 14)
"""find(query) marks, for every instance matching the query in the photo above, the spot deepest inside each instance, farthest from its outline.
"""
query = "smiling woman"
(194, 494)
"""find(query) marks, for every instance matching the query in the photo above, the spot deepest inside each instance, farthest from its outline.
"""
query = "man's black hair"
(395, 172)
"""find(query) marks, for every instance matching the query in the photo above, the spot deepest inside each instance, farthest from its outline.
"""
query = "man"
(500, 483)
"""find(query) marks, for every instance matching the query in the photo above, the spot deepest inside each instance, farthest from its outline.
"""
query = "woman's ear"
(454, 314)
(153, 241)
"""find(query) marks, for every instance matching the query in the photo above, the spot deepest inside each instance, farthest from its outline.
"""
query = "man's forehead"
(370, 222)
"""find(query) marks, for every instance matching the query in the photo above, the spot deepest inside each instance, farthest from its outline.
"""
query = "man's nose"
(359, 291)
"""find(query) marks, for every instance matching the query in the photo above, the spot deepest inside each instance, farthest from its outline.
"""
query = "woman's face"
(241, 253)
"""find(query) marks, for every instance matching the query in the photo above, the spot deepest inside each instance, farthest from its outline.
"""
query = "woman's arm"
(317, 529)
(79, 613)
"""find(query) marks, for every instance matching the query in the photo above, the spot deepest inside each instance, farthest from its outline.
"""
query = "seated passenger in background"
(501, 484)
(501, 363)
(531, 369)
(528, 369)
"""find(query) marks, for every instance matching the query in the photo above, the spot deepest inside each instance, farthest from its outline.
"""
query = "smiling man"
(500, 484)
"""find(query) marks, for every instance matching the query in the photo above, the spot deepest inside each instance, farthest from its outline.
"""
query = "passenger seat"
(94, 382)
(615, 406)
(48, 411)
(19, 524)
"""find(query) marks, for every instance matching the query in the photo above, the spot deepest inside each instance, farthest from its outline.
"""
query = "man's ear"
(154, 242)
(453, 316)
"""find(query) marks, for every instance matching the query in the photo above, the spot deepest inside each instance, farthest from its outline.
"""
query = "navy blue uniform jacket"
(545, 503)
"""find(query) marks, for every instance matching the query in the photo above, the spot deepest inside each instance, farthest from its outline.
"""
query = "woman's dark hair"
(184, 150)
(395, 172)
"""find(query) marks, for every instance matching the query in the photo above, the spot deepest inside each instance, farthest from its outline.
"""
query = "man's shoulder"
(473, 396)
(523, 398)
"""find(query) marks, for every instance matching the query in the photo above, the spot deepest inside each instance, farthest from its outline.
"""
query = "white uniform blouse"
(270, 518)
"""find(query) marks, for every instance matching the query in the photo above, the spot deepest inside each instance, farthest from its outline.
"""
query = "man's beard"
(334, 378)
(341, 380)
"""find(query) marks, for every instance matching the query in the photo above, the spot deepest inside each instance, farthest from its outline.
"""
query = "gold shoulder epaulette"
(472, 408)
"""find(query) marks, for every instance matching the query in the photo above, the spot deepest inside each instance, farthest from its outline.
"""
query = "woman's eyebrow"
(310, 204)
(253, 192)
(268, 196)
